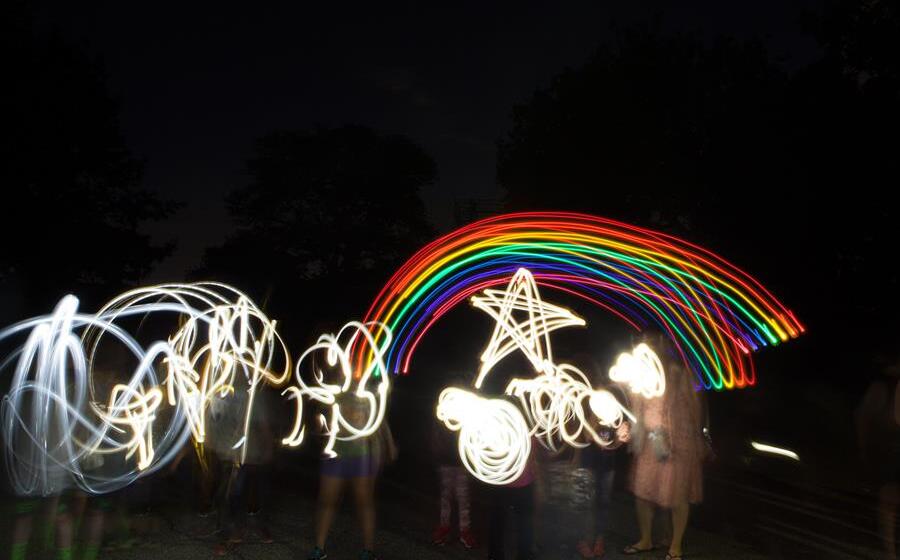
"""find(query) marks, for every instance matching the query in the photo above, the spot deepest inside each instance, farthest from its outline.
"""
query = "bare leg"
(645, 512)
(64, 535)
(447, 480)
(679, 523)
(93, 533)
(463, 503)
(329, 497)
(364, 493)
(22, 528)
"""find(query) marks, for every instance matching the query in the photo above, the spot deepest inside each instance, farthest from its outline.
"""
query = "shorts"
(349, 467)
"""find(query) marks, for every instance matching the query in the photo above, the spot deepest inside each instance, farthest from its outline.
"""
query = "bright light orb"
(494, 439)
(641, 370)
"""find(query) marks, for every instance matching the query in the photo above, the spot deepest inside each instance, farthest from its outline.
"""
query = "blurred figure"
(248, 476)
(64, 505)
(878, 435)
(601, 462)
(357, 464)
(455, 485)
(669, 449)
(519, 496)
(26, 509)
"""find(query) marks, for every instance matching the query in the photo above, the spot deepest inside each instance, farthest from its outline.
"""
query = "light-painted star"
(523, 322)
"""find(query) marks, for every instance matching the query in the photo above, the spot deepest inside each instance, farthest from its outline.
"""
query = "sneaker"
(441, 535)
(467, 538)
(367, 555)
(599, 548)
(317, 554)
(584, 549)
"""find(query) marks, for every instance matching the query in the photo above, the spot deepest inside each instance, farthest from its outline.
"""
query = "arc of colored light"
(715, 313)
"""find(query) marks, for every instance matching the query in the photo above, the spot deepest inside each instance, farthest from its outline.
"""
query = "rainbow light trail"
(714, 313)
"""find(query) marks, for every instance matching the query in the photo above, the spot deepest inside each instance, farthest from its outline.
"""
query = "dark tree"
(327, 216)
(661, 130)
(72, 197)
(784, 172)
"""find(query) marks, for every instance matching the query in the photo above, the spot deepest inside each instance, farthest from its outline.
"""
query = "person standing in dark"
(601, 462)
(518, 496)
(357, 464)
(248, 477)
(878, 436)
(669, 451)
(455, 486)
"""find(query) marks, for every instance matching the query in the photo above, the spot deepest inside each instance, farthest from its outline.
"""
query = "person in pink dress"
(669, 450)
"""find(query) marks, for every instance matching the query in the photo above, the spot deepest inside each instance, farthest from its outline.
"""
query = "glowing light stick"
(766, 448)
(494, 440)
(337, 349)
(641, 370)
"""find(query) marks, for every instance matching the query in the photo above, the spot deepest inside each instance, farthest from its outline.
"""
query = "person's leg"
(604, 477)
(680, 514)
(523, 502)
(364, 495)
(205, 469)
(258, 485)
(93, 527)
(497, 513)
(64, 530)
(888, 497)
(329, 496)
(446, 477)
(22, 527)
(463, 499)
(238, 503)
(645, 512)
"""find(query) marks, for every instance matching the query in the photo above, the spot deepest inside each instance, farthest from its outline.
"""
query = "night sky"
(197, 84)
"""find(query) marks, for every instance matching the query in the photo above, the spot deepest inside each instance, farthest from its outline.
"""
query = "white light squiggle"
(529, 335)
(337, 349)
(494, 440)
(559, 403)
(52, 421)
(556, 408)
(641, 370)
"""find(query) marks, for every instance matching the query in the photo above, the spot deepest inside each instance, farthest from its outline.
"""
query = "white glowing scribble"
(641, 370)
(54, 423)
(529, 335)
(559, 403)
(337, 349)
(223, 333)
(555, 406)
(494, 439)
(554, 400)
